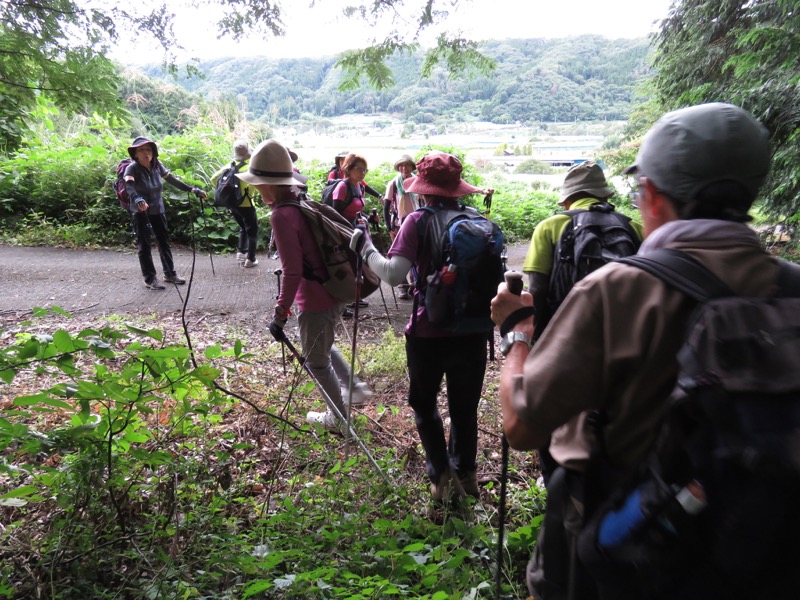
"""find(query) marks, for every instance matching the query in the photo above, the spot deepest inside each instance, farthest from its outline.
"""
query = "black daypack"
(713, 511)
(332, 234)
(593, 238)
(330, 186)
(119, 185)
(461, 257)
(228, 191)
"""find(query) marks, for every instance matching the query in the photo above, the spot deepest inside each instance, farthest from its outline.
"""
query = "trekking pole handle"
(514, 282)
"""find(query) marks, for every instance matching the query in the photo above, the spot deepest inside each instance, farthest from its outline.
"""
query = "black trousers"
(462, 361)
(143, 224)
(247, 220)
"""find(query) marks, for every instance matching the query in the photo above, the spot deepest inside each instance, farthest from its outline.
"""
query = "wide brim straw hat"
(586, 177)
(439, 175)
(138, 143)
(270, 164)
(403, 160)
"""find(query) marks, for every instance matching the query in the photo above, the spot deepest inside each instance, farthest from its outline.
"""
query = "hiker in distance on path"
(335, 172)
(244, 214)
(432, 352)
(612, 346)
(144, 182)
(348, 196)
(271, 173)
(585, 188)
(398, 205)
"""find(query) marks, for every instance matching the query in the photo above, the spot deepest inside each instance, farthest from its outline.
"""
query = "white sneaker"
(361, 394)
(241, 257)
(326, 419)
(250, 263)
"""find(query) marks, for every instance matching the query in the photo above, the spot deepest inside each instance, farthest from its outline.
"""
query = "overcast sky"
(313, 32)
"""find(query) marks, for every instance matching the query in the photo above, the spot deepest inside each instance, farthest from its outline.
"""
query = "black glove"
(276, 329)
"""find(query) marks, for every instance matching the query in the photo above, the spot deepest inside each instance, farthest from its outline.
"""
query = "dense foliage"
(130, 468)
(746, 53)
(586, 78)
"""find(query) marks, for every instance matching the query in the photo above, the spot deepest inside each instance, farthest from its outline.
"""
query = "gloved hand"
(276, 328)
(361, 242)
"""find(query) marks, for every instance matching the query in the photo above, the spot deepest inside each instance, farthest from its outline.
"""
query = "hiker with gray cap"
(245, 213)
(611, 349)
(550, 267)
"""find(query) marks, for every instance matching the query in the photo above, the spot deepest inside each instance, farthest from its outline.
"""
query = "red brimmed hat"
(439, 175)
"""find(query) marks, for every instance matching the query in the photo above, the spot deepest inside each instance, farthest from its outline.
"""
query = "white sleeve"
(391, 270)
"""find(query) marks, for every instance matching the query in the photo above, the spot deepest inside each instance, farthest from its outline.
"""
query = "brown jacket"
(612, 345)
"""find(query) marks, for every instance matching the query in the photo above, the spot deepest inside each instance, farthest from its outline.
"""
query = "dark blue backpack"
(461, 266)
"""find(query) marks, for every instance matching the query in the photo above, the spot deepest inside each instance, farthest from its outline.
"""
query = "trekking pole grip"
(514, 282)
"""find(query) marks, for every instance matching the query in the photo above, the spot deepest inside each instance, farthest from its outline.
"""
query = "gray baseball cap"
(690, 148)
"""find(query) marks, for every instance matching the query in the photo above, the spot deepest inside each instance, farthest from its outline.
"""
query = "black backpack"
(461, 258)
(593, 238)
(228, 192)
(330, 186)
(713, 511)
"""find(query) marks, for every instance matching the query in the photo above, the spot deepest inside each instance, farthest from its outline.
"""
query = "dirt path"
(109, 282)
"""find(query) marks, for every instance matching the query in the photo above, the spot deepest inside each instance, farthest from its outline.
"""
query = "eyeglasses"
(364, 170)
(635, 194)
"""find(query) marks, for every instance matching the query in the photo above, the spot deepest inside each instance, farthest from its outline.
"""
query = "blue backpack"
(461, 258)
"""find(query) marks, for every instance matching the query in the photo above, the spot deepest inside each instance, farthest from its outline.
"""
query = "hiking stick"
(396, 305)
(514, 283)
(278, 274)
(205, 224)
(280, 335)
(359, 278)
(383, 299)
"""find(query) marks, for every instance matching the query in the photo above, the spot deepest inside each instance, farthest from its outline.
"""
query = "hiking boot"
(154, 284)
(174, 278)
(469, 482)
(361, 394)
(347, 313)
(241, 256)
(442, 489)
(250, 263)
(327, 420)
(361, 304)
(404, 295)
(275, 256)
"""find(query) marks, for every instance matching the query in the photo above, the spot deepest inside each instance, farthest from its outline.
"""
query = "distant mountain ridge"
(536, 80)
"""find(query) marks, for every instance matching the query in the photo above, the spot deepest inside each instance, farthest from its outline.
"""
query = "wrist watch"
(511, 338)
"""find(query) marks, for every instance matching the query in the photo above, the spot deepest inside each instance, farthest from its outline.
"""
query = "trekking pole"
(383, 299)
(278, 274)
(359, 277)
(205, 224)
(514, 283)
(280, 336)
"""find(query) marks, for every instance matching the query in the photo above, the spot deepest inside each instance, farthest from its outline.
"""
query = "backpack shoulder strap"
(788, 279)
(682, 272)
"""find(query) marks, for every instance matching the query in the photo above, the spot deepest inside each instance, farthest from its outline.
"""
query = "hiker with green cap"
(585, 189)
(398, 204)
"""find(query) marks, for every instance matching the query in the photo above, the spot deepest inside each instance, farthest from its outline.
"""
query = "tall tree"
(746, 53)
(57, 47)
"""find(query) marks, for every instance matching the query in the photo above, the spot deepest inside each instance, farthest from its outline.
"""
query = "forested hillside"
(585, 78)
